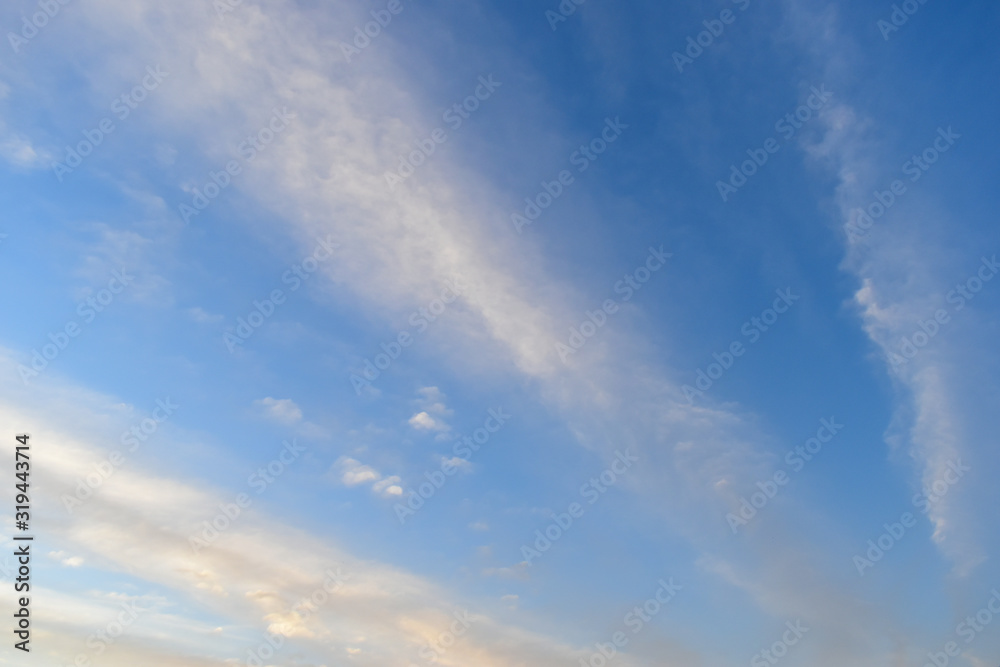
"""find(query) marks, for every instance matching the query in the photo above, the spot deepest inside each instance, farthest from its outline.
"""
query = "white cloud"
(66, 559)
(389, 486)
(202, 316)
(313, 431)
(250, 576)
(433, 411)
(424, 422)
(353, 472)
(409, 243)
(111, 249)
(458, 462)
(19, 151)
(283, 410)
(901, 280)
(518, 571)
(432, 400)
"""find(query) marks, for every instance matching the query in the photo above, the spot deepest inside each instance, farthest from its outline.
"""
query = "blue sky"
(389, 309)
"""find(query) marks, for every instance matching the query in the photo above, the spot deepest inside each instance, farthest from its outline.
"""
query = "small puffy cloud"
(481, 526)
(353, 472)
(432, 412)
(424, 422)
(458, 462)
(432, 401)
(388, 486)
(282, 410)
(66, 559)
